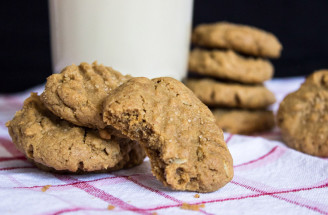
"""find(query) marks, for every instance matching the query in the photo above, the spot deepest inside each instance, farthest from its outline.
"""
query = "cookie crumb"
(110, 207)
(45, 188)
(186, 206)
(154, 213)
(197, 195)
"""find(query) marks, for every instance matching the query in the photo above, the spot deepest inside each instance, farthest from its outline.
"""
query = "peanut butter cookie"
(214, 93)
(77, 93)
(185, 146)
(318, 78)
(303, 116)
(244, 121)
(230, 66)
(57, 145)
(241, 38)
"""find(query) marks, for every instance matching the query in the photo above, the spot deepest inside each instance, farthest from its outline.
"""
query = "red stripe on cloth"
(212, 201)
(12, 158)
(114, 177)
(96, 192)
(274, 195)
(77, 209)
(10, 147)
(274, 149)
(21, 167)
(153, 190)
(94, 180)
(208, 202)
(13, 180)
(229, 138)
(161, 193)
(325, 181)
(244, 197)
(72, 184)
(302, 199)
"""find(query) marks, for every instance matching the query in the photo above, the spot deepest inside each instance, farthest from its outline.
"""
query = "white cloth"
(269, 179)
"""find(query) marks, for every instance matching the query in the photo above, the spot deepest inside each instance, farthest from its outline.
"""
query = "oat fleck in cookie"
(215, 93)
(186, 148)
(238, 121)
(57, 145)
(303, 116)
(226, 64)
(241, 38)
(76, 94)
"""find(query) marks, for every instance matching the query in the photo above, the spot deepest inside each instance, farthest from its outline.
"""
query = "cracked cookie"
(214, 93)
(77, 93)
(186, 148)
(226, 64)
(244, 121)
(303, 116)
(57, 145)
(241, 38)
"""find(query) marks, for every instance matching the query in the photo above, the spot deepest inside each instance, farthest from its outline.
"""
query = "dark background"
(300, 25)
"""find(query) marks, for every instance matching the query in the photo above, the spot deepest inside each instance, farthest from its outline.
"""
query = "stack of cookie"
(92, 118)
(229, 77)
(58, 130)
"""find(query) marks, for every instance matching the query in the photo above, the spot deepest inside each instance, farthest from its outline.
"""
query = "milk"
(138, 37)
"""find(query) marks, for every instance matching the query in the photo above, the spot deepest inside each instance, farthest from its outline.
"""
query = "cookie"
(57, 145)
(318, 78)
(241, 38)
(214, 93)
(77, 93)
(185, 146)
(244, 121)
(303, 116)
(230, 66)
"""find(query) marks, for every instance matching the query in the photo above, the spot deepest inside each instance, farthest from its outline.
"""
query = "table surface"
(269, 179)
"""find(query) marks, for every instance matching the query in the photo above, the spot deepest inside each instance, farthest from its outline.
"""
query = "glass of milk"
(147, 38)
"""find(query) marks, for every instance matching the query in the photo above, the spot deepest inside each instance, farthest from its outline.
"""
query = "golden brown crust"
(229, 65)
(241, 38)
(318, 78)
(186, 148)
(214, 93)
(77, 93)
(303, 116)
(244, 121)
(57, 145)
